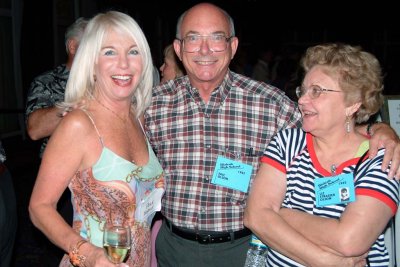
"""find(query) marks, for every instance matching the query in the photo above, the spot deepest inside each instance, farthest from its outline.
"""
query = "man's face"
(204, 65)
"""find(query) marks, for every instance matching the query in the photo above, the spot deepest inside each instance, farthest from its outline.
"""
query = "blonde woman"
(100, 151)
(172, 67)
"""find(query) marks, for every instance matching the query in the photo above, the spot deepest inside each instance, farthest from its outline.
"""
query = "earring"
(94, 77)
(348, 124)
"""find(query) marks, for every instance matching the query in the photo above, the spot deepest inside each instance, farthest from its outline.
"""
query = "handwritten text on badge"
(232, 174)
(334, 190)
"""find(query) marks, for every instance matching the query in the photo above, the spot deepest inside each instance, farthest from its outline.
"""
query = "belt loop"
(232, 234)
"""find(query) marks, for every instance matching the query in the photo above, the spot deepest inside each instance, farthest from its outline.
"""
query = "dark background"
(258, 23)
(276, 24)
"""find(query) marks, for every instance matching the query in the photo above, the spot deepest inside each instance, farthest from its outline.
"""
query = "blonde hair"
(81, 81)
(359, 74)
(169, 52)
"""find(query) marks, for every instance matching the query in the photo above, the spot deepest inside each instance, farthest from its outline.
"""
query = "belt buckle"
(203, 239)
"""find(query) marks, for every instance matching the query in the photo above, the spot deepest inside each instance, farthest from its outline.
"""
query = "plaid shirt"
(45, 91)
(188, 135)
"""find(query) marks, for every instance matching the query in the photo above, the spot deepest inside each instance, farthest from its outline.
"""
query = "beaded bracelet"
(75, 258)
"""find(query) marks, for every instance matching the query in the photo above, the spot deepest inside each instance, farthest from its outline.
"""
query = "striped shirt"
(188, 135)
(292, 152)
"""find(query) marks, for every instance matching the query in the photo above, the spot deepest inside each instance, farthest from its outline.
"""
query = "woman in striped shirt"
(295, 205)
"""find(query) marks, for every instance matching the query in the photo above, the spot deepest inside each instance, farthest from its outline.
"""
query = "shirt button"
(208, 146)
(203, 210)
(207, 178)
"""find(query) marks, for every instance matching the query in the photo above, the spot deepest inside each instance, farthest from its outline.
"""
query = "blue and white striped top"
(292, 152)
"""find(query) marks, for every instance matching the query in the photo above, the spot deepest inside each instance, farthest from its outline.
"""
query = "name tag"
(150, 204)
(232, 174)
(334, 190)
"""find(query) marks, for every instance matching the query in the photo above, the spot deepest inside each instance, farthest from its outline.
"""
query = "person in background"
(42, 114)
(8, 212)
(107, 162)
(262, 70)
(295, 205)
(204, 122)
(156, 76)
(172, 67)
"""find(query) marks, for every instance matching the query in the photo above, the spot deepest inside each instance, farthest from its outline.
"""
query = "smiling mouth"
(122, 77)
(205, 63)
(308, 113)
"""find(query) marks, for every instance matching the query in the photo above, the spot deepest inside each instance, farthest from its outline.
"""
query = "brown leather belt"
(207, 237)
(2, 168)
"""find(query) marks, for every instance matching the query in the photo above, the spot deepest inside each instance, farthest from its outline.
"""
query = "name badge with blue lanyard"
(336, 189)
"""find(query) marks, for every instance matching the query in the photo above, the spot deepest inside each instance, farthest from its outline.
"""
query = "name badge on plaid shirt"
(232, 174)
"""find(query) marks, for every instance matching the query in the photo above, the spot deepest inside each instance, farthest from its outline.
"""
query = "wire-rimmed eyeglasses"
(314, 91)
(216, 42)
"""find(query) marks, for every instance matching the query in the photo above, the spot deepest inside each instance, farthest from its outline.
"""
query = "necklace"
(119, 117)
(333, 169)
(124, 121)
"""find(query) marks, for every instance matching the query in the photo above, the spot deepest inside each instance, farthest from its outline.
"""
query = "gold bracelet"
(75, 258)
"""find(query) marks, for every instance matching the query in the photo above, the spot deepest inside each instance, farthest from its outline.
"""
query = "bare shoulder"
(76, 135)
(77, 122)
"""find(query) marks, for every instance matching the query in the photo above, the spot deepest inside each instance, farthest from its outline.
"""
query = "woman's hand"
(97, 257)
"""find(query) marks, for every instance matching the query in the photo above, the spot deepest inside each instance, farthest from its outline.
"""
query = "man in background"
(42, 116)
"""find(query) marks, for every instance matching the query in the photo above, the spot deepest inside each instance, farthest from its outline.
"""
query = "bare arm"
(42, 122)
(66, 153)
(263, 218)
(353, 234)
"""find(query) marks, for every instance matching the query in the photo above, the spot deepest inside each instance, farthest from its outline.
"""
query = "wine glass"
(117, 242)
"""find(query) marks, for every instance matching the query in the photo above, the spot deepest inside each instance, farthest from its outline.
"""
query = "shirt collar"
(220, 93)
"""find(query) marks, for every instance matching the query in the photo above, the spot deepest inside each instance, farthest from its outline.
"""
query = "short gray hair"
(75, 31)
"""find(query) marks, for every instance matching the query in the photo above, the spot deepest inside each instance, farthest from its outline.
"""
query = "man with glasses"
(209, 129)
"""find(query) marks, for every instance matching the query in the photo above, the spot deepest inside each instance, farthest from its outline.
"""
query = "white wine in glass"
(117, 242)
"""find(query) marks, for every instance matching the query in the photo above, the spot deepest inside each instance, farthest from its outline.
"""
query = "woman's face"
(168, 69)
(325, 113)
(119, 66)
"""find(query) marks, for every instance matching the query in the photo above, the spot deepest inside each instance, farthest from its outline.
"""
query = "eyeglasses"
(314, 91)
(216, 42)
